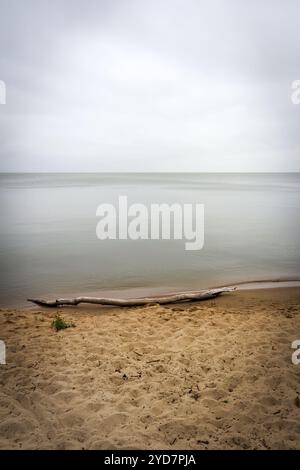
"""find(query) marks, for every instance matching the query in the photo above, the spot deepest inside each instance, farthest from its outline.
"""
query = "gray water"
(48, 243)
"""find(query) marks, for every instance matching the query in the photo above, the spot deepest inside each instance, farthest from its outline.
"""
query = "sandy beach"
(203, 375)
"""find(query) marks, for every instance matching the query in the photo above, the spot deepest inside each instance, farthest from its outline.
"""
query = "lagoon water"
(48, 243)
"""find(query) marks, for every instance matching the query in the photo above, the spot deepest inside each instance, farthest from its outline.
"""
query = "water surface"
(48, 242)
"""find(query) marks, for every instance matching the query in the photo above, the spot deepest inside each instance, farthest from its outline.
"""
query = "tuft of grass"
(59, 323)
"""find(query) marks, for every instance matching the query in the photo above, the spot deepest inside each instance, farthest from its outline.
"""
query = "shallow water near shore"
(49, 246)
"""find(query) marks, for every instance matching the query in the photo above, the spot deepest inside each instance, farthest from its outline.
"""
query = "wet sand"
(215, 374)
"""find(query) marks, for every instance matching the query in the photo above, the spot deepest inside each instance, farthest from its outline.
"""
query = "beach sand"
(207, 375)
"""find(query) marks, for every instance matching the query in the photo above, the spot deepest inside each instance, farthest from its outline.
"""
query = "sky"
(140, 85)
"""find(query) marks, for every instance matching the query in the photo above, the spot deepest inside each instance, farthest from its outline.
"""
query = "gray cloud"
(149, 86)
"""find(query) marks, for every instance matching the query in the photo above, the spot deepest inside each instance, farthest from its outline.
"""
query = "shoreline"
(140, 292)
(213, 374)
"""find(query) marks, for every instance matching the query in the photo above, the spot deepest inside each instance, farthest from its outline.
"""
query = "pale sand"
(206, 375)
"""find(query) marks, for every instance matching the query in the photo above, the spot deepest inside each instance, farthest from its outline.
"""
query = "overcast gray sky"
(149, 85)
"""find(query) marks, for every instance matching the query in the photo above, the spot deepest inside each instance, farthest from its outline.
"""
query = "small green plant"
(60, 324)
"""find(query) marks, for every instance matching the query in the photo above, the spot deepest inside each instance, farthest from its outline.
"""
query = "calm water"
(48, 242)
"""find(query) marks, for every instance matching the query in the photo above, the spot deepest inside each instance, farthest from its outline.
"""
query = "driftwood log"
(166, 299)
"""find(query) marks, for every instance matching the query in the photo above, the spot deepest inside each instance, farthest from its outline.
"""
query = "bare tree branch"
(167, 299)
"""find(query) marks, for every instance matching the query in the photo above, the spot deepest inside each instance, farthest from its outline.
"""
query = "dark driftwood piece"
(166, 299)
